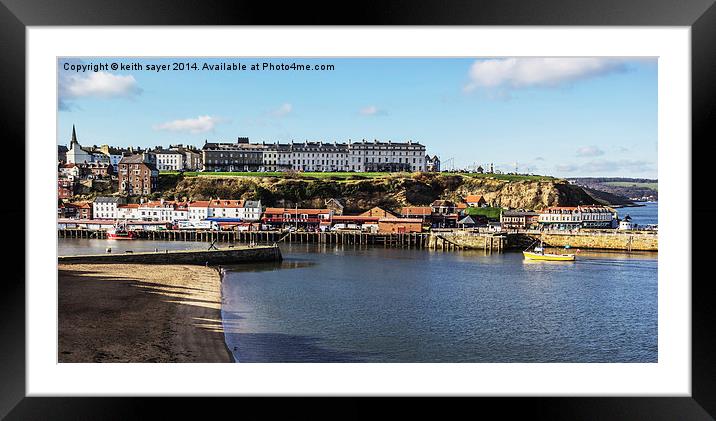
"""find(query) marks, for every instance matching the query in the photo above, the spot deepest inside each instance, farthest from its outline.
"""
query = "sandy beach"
(140, 313)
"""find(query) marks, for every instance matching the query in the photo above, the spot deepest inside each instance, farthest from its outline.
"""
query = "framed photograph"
(458, 202)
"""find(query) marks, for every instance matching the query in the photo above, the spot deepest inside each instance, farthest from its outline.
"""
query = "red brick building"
(400, 225)
(66, 188)
(136, 176)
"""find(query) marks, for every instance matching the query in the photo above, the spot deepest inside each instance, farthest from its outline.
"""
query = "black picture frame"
(16, 15)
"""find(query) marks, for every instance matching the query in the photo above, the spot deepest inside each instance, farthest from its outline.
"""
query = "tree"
(480, 169)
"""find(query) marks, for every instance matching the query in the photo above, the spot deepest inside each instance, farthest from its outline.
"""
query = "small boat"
(539, 254)
(120, 232)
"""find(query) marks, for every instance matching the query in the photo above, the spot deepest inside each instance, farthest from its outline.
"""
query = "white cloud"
(282, 111)
(371, 110)
(545, 72)
(99, 85)
(587, 151)
(199, 124)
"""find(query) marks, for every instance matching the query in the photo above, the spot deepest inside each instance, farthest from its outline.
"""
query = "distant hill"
(621, 189)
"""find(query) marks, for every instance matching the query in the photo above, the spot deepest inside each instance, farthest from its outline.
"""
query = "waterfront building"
(251, 211)
(476, 201)
(310, 219)
(400, 225)
(379, 212)
(169, 160)
(560, 218)
(66, 210)
(221, 208)
(467, 222)
(575, 217)
(163, 210)
(106, 207)
(422, 212)
(84, 210)
(597, 216)
(128, 211)
(626, 224)
(442, 207)
(335, 205)
(198, 210)
(138, 175)
(355, 222)
(432, 164)
(519, 219)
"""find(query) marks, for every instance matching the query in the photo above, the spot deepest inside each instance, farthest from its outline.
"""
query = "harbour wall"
(186, 257)
(452, 240)
(628, 241)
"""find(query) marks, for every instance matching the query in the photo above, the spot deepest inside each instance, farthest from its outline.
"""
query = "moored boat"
(120, 232)
(539, 254)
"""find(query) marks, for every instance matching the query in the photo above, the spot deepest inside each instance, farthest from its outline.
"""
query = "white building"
(222, 208)
(626, 224)
(385, 156)
(105, 207)
(314, 156)
(163, 210)
(198, 210)
(169, 160)
(76, 154)
(575, 217)
(129, 211)
(251, 210)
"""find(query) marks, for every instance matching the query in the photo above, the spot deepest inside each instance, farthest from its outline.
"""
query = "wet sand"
(140, 313)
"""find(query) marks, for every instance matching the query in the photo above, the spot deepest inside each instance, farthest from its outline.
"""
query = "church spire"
(74, 135)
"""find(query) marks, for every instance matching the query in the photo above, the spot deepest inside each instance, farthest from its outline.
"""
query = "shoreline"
(140, 313)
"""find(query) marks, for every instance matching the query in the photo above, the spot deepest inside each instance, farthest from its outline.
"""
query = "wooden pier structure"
(411, 240)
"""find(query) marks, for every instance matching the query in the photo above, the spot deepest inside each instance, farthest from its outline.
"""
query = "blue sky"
(566, 117)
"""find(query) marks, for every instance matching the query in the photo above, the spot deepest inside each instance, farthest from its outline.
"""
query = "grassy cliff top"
(339, 176)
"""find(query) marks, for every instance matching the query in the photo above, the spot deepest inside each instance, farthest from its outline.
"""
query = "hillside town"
(135, 173)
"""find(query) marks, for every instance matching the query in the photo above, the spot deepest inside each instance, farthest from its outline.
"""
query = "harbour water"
(642, 215)
(347, 304)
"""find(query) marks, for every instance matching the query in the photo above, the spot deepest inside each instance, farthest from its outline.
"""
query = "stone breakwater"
(627, 241)
(185, 257)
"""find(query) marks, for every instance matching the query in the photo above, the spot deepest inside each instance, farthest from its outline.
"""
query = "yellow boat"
(539, 254)
(546, 256)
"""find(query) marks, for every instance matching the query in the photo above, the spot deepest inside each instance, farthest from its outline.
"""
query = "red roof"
(360, 218)
(293, 211)
(128, 206)
(222, 203)
(403, 220)
(474, 198)
(199, 204)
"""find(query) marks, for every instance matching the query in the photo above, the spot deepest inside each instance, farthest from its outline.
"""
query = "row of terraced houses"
(249, 214)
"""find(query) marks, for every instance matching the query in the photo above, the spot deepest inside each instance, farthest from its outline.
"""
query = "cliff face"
(525, 194)
(390, 192)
